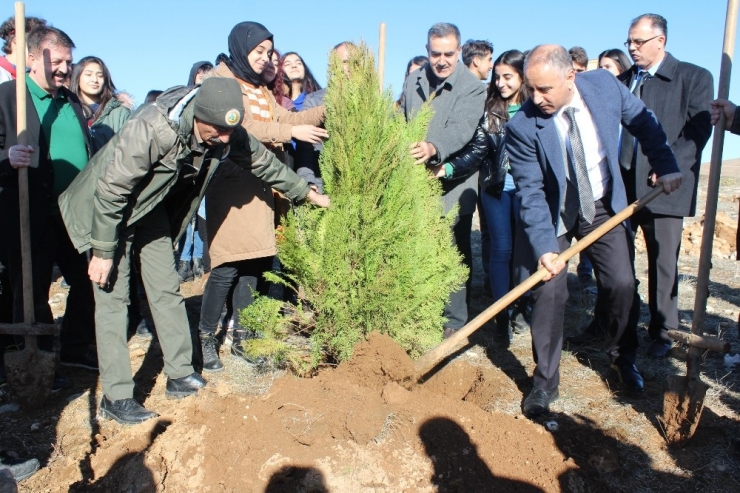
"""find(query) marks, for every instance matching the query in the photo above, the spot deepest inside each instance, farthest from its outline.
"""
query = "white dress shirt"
(593, 150)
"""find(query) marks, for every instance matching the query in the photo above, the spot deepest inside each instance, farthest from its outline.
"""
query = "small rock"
(552, 426)
(9, 408)
(35, 426)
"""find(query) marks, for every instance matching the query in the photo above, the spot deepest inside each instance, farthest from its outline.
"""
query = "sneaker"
(198, 269)
(184, 271)
(125, 411)
(60, 383)
(19, 467)
(87, 360)
(144, 329)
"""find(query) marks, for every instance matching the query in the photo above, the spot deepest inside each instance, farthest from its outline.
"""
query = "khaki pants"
(151, 238)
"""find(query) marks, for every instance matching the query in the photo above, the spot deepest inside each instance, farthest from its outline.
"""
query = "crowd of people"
(545, 152)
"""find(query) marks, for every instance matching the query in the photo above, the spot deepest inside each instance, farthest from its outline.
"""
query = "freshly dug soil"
(353, 428)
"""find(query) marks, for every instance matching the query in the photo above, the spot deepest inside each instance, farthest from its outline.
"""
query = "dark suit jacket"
(536, 153)
(40, 177)
(679, 95)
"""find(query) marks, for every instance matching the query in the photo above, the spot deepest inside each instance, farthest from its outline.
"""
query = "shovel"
(684, 399)
(430, 360)
(30, 372)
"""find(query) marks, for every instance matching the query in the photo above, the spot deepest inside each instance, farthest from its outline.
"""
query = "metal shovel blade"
(30, 374)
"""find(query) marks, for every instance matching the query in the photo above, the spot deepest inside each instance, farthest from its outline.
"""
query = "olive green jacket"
(139, 166)
(112, 119)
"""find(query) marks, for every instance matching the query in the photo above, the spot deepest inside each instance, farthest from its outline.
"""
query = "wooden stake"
(25, 215)
(684, 399)
(381, 56)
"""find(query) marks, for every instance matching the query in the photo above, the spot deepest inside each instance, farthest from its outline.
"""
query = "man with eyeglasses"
(679, 94)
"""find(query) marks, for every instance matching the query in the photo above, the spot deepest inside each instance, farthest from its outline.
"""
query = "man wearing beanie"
(141, 190)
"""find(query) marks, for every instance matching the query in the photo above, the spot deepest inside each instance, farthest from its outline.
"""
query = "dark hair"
(497, 108)
(579, 56)
(7, 31)
(622, 61)
(656, 22)
(443, 29)
(475, 48)
(43, 34)
(222, 57)
(108, 92)
(349, 44)
(419, 60)
(278, 90)
(152, 96)
(308, 84)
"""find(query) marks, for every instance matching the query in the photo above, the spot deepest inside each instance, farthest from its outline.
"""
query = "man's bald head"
(555, 56)
(550, 78)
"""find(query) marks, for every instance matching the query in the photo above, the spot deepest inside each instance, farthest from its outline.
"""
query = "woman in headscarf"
(240, 209)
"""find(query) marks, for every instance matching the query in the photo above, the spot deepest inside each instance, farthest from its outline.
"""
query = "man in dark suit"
(563, 151)
(457, 97)
(679, 94)
(59, 147)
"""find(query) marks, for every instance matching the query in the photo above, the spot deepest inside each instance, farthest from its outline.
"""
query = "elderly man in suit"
(679, 94)
(563, 151)
(457, 97)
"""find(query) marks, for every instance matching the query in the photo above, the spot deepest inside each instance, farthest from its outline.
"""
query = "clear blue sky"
(152, 44)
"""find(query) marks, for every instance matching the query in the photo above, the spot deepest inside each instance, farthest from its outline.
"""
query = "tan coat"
(239, 207)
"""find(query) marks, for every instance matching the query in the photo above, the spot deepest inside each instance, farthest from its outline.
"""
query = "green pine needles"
(381, 257)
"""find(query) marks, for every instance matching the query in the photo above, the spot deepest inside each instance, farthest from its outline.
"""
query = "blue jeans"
(501, 215)
(191, 246)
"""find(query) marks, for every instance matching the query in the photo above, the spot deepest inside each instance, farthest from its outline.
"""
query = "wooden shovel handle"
(424, 364)
(25, 215)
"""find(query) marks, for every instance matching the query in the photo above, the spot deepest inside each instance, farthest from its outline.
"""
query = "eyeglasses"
(639, 42)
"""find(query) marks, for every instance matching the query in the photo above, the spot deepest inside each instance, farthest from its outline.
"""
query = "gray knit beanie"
(219, 102)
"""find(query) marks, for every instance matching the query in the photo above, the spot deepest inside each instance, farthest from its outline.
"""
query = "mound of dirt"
(353, 428)
(724, 244)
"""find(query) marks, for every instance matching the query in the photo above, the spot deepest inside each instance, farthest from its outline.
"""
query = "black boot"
(237, 348)
(125, 411)
(184, 386)
(198, 268)
(519, 321)
(184, 271)
(209, 346)
(502, 332)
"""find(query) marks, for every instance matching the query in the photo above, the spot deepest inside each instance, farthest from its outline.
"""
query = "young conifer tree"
(380, 258)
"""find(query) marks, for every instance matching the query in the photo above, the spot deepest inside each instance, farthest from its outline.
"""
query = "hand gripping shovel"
(30, 372)
(430, 360)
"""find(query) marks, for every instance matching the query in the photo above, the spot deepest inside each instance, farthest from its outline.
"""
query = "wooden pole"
(381, 56)
(25, 215)
(710, 214)
(424, 364)
(683, 401)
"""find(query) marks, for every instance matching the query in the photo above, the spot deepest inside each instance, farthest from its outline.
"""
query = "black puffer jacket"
(467, 160)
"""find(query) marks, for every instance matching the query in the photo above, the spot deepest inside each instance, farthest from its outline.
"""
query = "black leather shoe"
(538, 402)
(209, 345)
(629, 377)
(125, 411)
(659, 349)
(184, 386)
